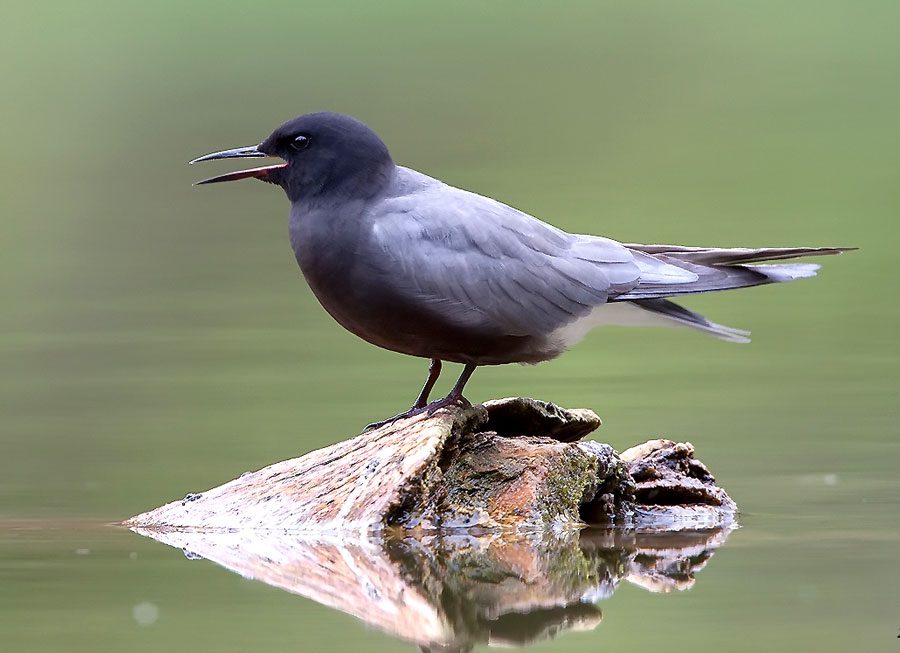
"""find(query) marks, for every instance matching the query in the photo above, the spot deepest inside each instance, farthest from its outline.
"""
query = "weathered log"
(509, 465)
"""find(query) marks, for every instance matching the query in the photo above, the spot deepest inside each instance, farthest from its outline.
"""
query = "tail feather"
(786, 271)
(680, 314)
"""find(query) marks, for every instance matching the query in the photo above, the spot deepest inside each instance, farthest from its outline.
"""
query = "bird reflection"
(451, 592)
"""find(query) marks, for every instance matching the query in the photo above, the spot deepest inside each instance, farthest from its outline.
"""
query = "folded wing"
(724, 268)
(481, 264)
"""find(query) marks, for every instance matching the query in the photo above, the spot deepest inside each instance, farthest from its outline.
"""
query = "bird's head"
(322, 152)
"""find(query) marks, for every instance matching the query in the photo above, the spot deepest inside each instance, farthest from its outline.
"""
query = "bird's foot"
(434, 406)
(377, 425)
(449, 400)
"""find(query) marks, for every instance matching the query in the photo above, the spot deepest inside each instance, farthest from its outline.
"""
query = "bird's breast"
(334, 253)
(326, 247)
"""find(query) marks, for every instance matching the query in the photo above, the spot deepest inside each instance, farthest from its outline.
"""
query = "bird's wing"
(482, 264)
(734, 255)
(720, 268)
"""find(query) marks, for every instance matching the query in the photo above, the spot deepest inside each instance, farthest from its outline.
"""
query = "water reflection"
(453, 591)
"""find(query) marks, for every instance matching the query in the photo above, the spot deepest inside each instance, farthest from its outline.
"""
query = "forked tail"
(718, 269)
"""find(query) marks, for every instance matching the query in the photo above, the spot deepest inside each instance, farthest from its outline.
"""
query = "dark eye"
(300, 143)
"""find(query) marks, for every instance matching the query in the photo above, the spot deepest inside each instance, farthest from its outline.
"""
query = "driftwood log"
(511, 465)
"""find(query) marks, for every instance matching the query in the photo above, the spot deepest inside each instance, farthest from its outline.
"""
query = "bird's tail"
(723, 268)
(680, 315)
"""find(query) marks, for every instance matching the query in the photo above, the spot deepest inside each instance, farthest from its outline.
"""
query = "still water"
(156, 339)
(822, 582)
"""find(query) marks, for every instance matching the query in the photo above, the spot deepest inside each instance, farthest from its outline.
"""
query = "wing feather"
(479, 262)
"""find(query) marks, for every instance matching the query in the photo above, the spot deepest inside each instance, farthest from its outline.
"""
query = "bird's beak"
(252, 152)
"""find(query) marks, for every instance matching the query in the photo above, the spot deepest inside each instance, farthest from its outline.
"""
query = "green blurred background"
(157, 339)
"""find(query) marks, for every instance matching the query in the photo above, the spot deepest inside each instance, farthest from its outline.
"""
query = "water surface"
(156, 339)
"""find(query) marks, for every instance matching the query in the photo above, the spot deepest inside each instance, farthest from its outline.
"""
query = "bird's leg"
(456, 394)
(434, 371)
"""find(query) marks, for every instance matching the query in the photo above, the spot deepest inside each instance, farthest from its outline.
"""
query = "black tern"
(413, 265)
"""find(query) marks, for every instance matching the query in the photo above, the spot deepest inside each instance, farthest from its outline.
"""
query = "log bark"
(510, 465)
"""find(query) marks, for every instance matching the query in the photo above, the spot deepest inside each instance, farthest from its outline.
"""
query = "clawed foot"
(449, 400)
(385, 422)
(431, 408)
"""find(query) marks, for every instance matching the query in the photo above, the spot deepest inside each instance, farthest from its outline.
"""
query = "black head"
(324, 153)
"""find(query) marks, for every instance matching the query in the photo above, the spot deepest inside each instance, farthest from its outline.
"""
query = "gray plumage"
(414, 265)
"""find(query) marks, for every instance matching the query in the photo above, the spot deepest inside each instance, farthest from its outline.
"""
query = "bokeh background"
(157, 339)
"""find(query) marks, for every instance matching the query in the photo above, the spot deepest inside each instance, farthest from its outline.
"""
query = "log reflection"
(450, 592)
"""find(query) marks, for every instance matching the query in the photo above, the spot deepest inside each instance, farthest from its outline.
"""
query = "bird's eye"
(300, 143)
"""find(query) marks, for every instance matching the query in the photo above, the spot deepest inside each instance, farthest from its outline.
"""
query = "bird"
(417, 266)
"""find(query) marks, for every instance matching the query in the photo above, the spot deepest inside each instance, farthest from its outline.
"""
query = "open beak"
(251, 152)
